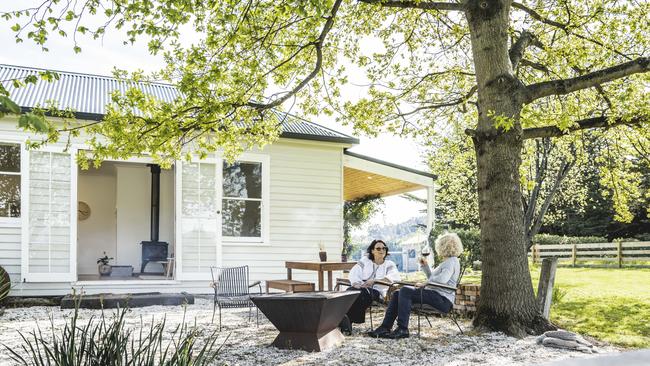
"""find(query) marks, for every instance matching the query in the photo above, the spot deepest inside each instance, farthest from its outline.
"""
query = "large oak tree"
(518, 69)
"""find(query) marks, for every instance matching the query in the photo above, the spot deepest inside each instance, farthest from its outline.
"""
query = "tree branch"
(566, 86)
(534, 65)
(542, 151)
(452, 103)
(537, 222)
(516, 52)
(318, 45)
(425, 5)
(566, 27)
(589, 123)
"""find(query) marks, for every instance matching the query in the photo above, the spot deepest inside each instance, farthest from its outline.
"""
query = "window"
(9, 180)
(242, 200)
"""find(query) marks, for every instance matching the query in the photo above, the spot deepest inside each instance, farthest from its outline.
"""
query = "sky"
(101, 56)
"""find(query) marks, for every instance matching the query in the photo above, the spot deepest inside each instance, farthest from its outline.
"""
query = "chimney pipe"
(155, 201)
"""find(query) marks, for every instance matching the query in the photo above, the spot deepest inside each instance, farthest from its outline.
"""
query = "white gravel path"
(248, 345)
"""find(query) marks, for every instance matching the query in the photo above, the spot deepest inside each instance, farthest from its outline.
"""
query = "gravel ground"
(247, 345)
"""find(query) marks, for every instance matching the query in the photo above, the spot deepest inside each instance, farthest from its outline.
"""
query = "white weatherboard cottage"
(271, 206)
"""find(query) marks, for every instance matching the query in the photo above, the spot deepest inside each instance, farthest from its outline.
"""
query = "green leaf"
(34, 122)
(31, 79)
(9, 105)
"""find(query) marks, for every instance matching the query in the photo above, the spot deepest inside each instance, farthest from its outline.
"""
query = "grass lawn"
(609, 304)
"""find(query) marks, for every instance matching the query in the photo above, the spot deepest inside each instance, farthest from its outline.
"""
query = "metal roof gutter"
(396, 166)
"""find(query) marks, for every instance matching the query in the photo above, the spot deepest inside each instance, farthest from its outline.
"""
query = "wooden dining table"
(321, 268)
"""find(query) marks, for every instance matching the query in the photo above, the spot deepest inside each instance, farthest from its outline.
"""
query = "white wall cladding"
(10, 250)
(306, 208)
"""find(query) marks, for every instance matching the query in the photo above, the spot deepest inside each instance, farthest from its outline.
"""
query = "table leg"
(288, 273)
(329, 280)
(320, 281)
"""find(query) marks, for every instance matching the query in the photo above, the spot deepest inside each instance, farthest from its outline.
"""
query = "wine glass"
(424, 253)
(426, 250)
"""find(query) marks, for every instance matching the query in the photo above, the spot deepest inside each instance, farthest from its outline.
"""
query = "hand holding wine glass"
(424, 252)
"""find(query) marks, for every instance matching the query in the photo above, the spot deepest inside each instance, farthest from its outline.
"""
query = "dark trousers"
(400, 305)
(357, 312)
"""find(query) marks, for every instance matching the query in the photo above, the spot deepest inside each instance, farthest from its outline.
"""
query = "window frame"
(6, 221)
(263, 239)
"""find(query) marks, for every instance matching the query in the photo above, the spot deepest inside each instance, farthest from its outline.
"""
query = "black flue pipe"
(155, 201)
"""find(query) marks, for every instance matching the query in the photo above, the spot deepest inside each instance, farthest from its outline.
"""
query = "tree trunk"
(507, 301)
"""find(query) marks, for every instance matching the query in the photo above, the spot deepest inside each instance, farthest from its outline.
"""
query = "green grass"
(610, 304)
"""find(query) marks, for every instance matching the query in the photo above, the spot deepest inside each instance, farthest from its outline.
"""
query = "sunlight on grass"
(610, 304)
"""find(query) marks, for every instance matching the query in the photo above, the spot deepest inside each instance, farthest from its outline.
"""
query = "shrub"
(108, 343)
(559, 239)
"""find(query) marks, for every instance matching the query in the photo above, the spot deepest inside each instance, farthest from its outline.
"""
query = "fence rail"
(619, 252)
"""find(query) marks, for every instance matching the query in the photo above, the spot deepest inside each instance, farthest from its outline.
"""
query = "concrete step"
(111, 301)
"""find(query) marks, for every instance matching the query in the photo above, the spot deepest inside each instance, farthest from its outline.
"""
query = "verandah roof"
(363, 176)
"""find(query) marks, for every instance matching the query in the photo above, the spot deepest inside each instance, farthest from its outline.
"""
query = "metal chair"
(346, 282)
(427, 310)
(232, 290)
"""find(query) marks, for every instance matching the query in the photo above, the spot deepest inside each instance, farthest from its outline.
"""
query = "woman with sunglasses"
(449, 247)
(363, 277)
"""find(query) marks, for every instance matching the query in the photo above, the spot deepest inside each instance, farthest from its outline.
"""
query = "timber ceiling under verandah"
(363, 176)
(359, 183)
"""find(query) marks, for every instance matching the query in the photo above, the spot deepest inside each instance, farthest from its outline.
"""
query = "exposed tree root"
(511, 325)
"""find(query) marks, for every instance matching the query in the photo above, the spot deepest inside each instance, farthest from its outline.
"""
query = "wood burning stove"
(154, 250)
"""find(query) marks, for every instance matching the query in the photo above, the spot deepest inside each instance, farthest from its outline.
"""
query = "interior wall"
(134, 211)
(96, 234)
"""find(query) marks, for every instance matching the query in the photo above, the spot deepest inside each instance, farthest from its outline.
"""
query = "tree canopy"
(516, 69)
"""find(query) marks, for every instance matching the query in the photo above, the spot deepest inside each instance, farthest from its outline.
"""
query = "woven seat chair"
(232, 290)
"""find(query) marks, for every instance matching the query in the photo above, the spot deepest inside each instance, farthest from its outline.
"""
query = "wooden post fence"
(574, 255)
(616, 253)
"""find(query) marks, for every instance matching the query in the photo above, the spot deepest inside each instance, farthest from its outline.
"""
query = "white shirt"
(366, 269)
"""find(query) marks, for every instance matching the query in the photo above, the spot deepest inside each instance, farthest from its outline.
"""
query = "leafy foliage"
(355, 213)
(582, 205)
(108, 342)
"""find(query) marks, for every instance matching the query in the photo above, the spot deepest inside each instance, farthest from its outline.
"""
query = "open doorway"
(115, 210)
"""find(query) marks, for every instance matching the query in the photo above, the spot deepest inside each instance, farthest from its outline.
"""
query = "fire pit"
(306, 320)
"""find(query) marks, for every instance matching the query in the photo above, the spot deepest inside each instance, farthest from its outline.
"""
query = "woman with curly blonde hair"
(449, 247)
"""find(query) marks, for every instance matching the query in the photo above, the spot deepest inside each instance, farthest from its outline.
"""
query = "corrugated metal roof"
(88, 96)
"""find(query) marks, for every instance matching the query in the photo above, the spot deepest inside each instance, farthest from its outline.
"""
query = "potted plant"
(322, 254)
(103, 266)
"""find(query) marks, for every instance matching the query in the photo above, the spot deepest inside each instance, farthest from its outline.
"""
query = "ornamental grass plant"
(107, 341)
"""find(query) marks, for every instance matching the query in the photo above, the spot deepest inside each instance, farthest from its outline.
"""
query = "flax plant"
(108, 342)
